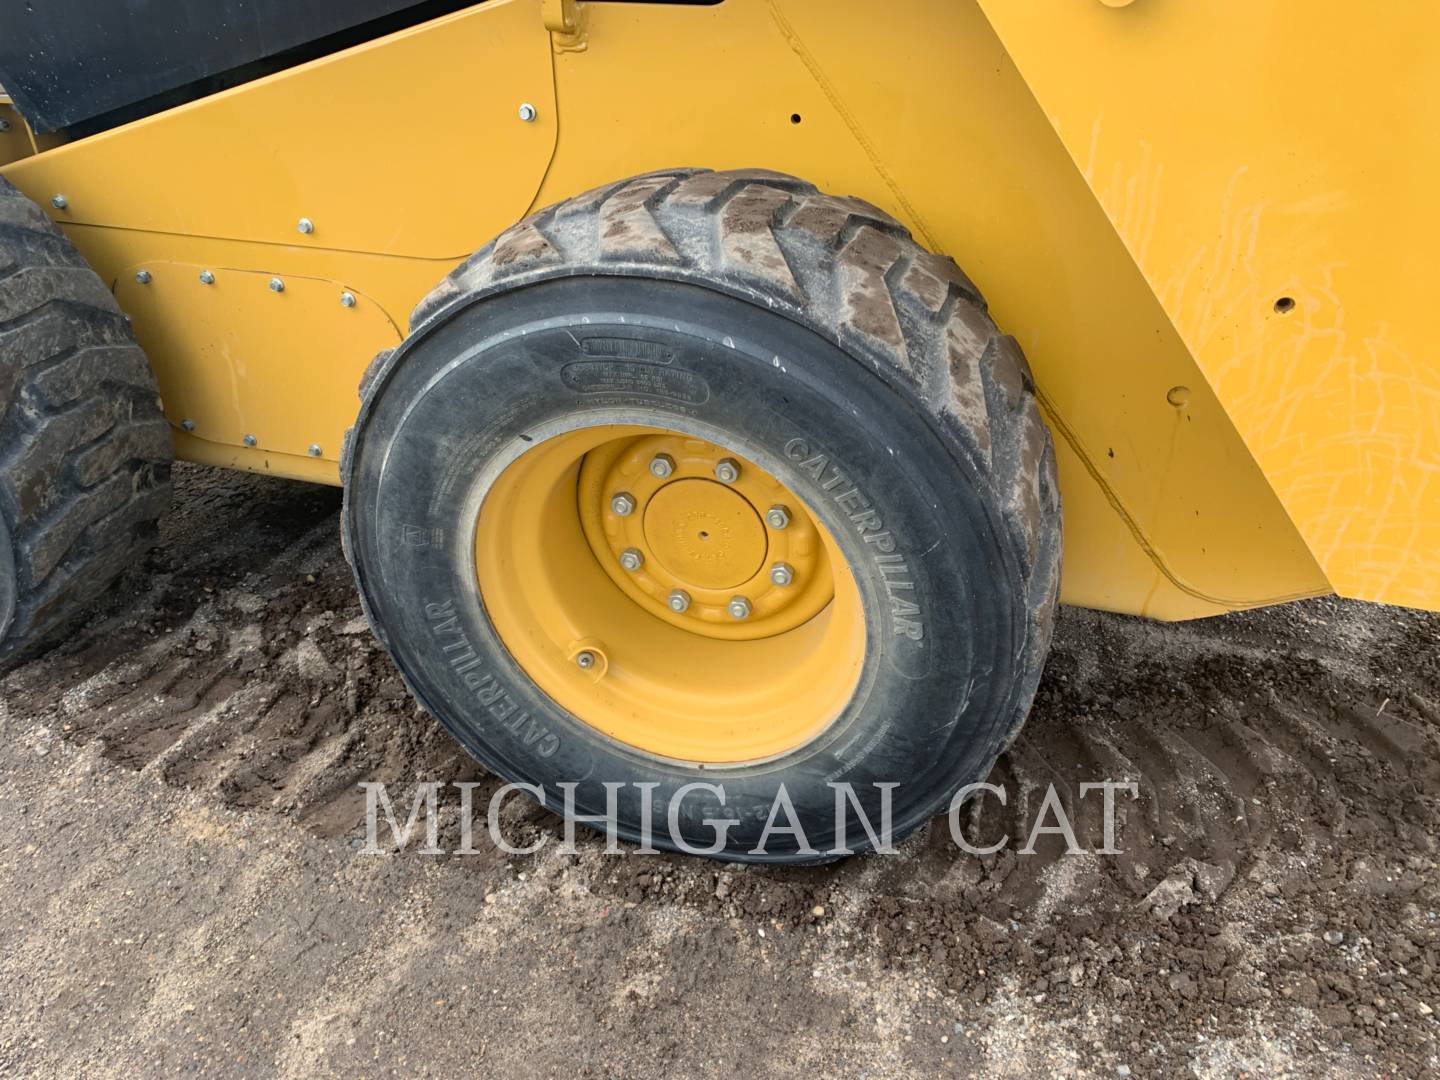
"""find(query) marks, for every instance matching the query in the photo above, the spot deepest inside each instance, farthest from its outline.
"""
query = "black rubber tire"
(85, 450)
(802, 326)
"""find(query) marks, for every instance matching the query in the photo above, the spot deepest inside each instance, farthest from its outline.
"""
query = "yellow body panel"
(15, 140)
(210, 351)
(921, 112)
(410, 146)
(900, 123)
(1254, 154)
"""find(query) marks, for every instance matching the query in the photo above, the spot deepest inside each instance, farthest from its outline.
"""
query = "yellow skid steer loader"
(683, 464)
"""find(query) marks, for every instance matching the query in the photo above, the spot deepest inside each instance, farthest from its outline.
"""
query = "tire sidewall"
(944, 622)
(8, 584)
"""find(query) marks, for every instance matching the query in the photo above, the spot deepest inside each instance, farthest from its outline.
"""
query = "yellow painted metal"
(1272, 169)
(704, 537)
(314, 470)
(223, 381)
(331, 365)
(669, 684)
(683, 522)
(410, 146)
(567, 21)
(17, 140)
(14, 133)
(1167, 511)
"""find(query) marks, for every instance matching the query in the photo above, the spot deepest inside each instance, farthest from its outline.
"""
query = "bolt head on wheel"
(739, 607)
(777, 517)
(662, 465)
(679, 601)
(623, 504)
(727, 471)
(632, 559)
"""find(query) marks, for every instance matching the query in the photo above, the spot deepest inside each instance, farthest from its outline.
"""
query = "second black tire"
(85, 450)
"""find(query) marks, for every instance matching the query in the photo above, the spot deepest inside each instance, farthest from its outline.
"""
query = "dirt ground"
(183, 891)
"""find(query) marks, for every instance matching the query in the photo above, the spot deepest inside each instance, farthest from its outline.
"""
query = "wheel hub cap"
(704, 533)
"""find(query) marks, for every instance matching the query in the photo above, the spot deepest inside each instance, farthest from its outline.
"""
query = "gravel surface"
(180, 824)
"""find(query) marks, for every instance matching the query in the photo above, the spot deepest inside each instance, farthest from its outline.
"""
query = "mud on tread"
(839, 266)
(85, 450)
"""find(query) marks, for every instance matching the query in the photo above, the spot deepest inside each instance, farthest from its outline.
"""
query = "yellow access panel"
(1272, 169)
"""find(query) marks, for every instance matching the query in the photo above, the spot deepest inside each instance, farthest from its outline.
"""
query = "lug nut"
(782, 573)
(727, 471)
(277, 285)
(777, 517)
(527, 112)
(143, 277)
(739, 607)
(314, 450)
(662, 465)
(187, 425)
(678, 601)
(250, 440)
(631, 559)
(207, 278)
(59, 202)
(623, 503)
(306, 226)
(347, 299)
(585, 660)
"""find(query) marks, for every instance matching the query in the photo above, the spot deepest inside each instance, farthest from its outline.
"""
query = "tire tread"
(85, 451)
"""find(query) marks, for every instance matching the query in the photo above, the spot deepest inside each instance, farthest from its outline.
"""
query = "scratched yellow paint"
(1249, 153)
(1166, 512)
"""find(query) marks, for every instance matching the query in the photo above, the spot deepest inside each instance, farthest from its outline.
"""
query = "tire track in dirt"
(1286, 760)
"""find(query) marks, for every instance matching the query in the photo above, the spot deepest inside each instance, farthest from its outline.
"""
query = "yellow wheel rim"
(670, 593)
